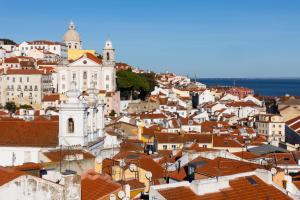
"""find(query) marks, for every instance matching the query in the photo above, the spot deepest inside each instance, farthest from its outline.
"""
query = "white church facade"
(90, 70)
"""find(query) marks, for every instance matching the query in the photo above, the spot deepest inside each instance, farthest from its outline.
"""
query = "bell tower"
(108, 52)
(73, 119)
(109, 70)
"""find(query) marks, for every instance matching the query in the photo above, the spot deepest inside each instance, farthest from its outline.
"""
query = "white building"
(24, 86)
(58, 48)
(271, 126)
(89, 70)
(206, 96)
(81, 118)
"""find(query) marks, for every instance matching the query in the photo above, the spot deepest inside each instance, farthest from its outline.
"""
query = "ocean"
(265, 87)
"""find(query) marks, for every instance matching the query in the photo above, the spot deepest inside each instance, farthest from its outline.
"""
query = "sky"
(198, 38)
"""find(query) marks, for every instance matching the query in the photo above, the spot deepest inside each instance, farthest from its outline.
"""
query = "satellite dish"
(148, 175)
(112, 197)
(121, 194)
(122, 163)
(132, 167)
(273, 171)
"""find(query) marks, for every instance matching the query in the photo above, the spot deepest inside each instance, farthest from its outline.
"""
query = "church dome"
(72, 34)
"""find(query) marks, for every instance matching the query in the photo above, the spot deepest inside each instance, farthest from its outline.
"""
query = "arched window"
(84, 75)
(70, 125)
(107, 56)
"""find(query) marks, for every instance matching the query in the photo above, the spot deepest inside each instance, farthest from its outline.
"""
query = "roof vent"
(251, 180)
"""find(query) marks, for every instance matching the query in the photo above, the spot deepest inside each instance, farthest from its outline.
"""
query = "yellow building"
(74, 54)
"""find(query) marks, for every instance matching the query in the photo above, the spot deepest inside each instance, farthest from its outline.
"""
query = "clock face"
(84, 62)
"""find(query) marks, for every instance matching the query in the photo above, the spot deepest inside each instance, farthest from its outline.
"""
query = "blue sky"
(225, 38)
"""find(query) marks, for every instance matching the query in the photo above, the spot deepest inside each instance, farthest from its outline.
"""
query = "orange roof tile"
(95, 186)
(28, 133)
(9, 174)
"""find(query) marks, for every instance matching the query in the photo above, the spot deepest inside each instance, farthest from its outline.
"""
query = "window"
(63, 86)
(107, 56)
(107, 86)
(70, 125)
(20, 79)
(273, 125)
(84, 75)
(63, 77)
(74, 76)
(173, 146)
(27, 156)
(204, 146)
(27, 79)
(107, 77)
(164, 147)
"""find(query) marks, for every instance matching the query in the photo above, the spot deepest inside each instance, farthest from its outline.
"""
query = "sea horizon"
(261, 86)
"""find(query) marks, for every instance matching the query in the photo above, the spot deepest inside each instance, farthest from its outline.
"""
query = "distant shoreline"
(263, 86)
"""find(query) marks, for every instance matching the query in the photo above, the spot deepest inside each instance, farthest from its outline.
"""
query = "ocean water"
(266, 87)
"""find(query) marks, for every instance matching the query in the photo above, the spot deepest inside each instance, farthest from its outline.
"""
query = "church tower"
(73, 119)
(108, 53)
(109, 63)
(72, 38)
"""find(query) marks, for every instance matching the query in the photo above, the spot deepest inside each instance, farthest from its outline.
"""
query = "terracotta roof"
(91, 57)
(178, 193)
(224, 167)
(152, 116)
(283, 158)
(241, 104)
(186, 121)
(9, 174)
(51, 97)
(243, 188)
(246, 155)
(208, 126)
(226, 142)
(58, 155)
(246, 188)
(35, 133)
(24, 71)
(28, 166)
(134, 184)
(95, 186)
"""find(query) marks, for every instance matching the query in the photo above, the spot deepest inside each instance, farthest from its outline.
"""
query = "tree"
(132, 85)
(10, 106)
(25, 106)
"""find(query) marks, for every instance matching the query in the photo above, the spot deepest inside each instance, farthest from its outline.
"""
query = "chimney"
(72, 185)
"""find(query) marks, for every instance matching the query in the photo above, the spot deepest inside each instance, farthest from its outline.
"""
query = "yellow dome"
(71, 34)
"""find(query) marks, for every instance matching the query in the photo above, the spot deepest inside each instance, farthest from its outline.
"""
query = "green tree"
(25, 106)
(10, 106)
(132, 85)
